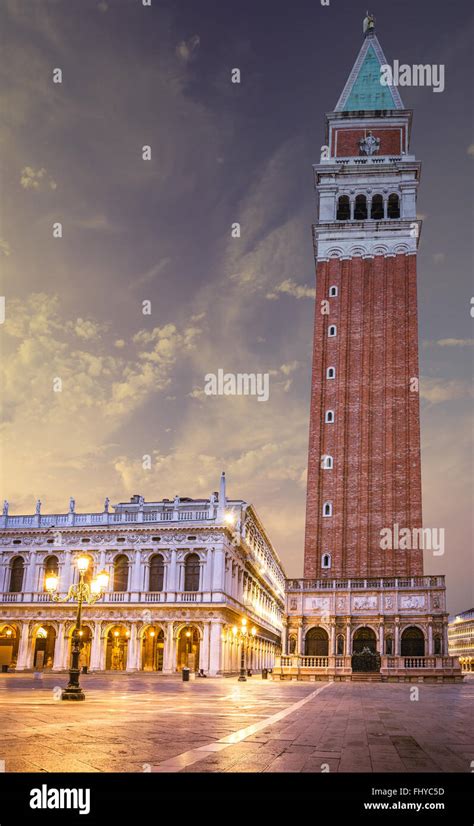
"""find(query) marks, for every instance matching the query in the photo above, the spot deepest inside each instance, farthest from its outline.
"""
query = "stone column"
(66, 578)
(59, 648)
(30, 579)
(396, 638)
(444, 640)
(95, 647)
(216, 648)
(430, 639)
(381, 639)
(299, 641)
(4, 575)
(23, 647)
(102, 649)
(204, 649)
(132, 649)
(136, 584)
(218, 572)
(169, 652)
(332, 640)
(348, 639)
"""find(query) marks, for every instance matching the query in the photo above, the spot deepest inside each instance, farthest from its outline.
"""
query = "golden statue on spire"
(369, 23)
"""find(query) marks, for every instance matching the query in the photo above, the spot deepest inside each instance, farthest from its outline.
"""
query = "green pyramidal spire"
(363, 89)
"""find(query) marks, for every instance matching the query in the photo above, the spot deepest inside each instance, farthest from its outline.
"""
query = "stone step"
(366, 677)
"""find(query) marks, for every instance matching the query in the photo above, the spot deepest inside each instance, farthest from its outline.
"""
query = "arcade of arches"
(162, 647)
(409, 641)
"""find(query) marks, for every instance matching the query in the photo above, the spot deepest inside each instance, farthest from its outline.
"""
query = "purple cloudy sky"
(159, 230)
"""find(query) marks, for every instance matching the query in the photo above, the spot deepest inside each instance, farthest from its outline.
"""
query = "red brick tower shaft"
(364, 473)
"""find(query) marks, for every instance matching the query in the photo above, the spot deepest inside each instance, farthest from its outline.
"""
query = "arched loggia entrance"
(9, 641)
(364, 638)
(188, 648)
(117, 648)
(316, 643)
(45, 640)
(85, 636)
(364, 651)
(412, 642)
(153, 643)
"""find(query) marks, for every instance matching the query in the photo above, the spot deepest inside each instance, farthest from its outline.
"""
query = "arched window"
(121, 573)
(376, 208)
(16, 575)
(340, 645)
(331, 373)
(326, 561)
(191, 573)
(360, 210)
(327, 509)
(343, 208)
(51, 566)
(326, 462)
(332, 291)
(393, 207)
(329, 418)
(413, 642)
(157, 570)
(332, 330)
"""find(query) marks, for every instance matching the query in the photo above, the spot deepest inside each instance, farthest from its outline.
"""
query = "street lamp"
(243, 634)
(80, 593)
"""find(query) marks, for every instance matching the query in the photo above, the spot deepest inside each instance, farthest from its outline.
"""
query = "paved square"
(135, 723)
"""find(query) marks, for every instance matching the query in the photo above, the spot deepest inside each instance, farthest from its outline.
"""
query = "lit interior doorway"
(117, 647)
(9, 641)
(188, 648)
(45, 641)
(153, 644)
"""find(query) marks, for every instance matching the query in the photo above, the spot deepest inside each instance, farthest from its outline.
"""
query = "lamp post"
(242, 633)
(80, 593)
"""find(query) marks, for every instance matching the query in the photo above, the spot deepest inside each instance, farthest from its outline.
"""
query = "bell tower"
(364, 471)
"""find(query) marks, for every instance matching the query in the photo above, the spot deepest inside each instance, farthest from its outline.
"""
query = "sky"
(160, 231)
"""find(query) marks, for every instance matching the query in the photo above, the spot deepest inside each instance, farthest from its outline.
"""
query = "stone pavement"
(135, 723)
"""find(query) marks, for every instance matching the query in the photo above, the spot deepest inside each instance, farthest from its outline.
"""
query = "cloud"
(186, 50)
(289, 287)
(5, 247)
(470, 150)
(36, 179)
(150, 274)
(436, 391)
(86, 328)
(455, 342)
(98, 392)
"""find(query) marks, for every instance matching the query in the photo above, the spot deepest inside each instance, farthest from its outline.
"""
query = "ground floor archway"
(364, 638)
(9, 641)
(85, 636)
(152, 651)
(117, 648)
(412, 642)
(316, 643)
(45, 641)
(188, 648)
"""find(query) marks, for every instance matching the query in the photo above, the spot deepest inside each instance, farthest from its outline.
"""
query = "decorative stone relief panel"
(365, 603)
(316, 604)
(413, 601)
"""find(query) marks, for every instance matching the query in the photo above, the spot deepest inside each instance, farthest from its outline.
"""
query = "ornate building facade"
(361, 594)
(461, 639)
(182, 574)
